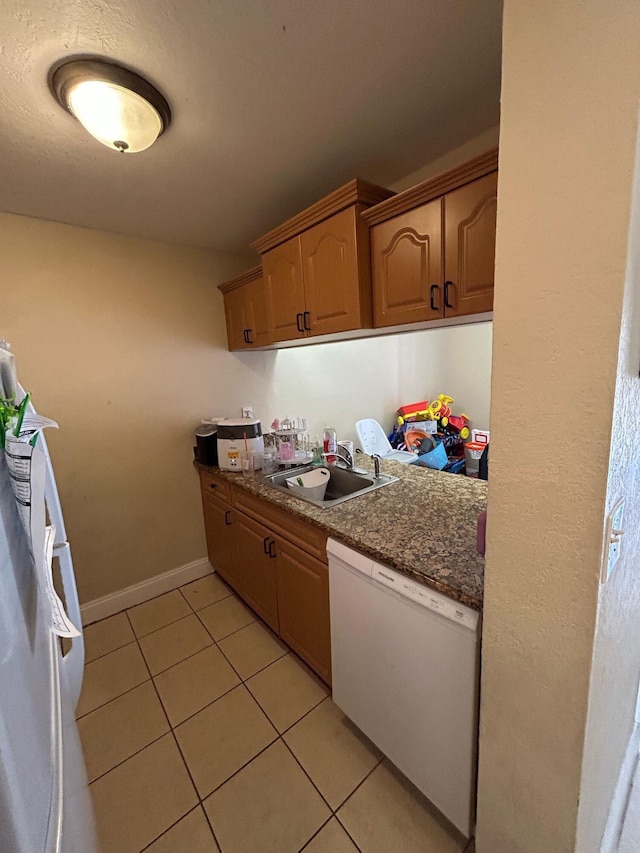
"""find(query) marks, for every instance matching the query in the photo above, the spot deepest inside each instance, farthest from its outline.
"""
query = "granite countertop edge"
(423, 526)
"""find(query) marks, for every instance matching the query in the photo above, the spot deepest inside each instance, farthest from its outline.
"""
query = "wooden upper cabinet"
(234, 312)
(470, 247)
(433, 246)
(317, 266)
(284, 291)
(407, 271)
(245, 310)
(331, 274)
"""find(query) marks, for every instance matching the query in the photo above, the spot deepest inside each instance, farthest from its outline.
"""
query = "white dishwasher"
(405, 670)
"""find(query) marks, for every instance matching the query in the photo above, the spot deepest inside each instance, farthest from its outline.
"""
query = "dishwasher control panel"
(403, 585)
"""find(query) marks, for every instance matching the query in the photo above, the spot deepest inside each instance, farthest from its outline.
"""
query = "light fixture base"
(69, 75)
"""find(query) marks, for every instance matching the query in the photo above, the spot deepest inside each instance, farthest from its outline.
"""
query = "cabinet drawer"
(212, 484)
(300, 532)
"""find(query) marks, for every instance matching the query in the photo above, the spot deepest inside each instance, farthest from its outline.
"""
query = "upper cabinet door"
(234, 309)
(406, 254)
(255, 313)
(470, 246)
(284, 291)
(331, 275)
(245, 310)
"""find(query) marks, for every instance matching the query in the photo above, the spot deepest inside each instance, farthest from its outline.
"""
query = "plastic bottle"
(330, 443)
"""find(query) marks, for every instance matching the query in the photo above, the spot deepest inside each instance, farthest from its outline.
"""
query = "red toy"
(457, 423)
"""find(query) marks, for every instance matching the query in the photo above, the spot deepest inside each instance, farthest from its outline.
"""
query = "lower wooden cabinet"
(287, 586)
(218, 527)
(255, 558)
(303, 606)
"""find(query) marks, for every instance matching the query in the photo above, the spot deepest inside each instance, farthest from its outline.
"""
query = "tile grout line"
(279, 734)
(164, 832)
(104, 654)
(153, 598)
(295, 758)
(175, 740)
(197, 615)
(295, 723)
(235, 772)
(180, 588)
(164, 627)
(346, 800)
(124, 693)
(315, 834)
(243, 682)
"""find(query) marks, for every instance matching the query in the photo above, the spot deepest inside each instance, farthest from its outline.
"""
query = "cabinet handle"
(226, 518)
(272, 543)
(307, 327)
(244, 335)
(265, 547)
(213, 485)
(299, 322)
(248, 338)
(432, 291)
(447, 285)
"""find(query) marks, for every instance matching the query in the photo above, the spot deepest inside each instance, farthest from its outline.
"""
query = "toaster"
(234, 436)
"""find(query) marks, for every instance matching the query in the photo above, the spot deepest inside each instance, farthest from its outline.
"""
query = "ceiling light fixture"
(117, 106)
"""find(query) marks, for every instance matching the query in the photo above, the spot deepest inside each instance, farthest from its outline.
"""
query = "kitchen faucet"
(376, 462)
(344, 456)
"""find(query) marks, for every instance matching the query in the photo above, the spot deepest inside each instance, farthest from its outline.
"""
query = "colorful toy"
(440, 408)
(458, 424)
(414, 412)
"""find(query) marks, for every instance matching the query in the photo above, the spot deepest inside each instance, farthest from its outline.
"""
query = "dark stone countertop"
(424, 525)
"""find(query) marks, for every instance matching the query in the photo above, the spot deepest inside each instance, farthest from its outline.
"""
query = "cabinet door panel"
(303, 607)
(246, 314)
(219, 520)
(331, 277)
(255, 314)
(234, 309)
(257, 568)
(470, 245)
(406, 256)
(284, 291)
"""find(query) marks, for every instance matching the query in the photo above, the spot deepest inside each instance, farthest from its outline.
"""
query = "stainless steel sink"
(343, 485)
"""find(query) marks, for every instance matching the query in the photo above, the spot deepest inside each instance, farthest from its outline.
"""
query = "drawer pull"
(447, 285)
(265, 547)
(272, 552)
(226, 518)
(432, 292)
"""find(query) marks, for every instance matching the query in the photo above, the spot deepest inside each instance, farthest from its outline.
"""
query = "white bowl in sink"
(311, 484)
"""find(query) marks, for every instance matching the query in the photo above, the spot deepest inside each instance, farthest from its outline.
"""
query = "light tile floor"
(202, 733)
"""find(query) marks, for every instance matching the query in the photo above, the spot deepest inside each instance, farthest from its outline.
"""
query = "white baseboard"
(620, 800)
(108, 605)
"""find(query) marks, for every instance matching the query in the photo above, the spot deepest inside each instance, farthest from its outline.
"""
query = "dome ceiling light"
(117, 106)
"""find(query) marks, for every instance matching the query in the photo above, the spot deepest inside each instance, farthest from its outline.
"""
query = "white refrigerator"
(45, 805)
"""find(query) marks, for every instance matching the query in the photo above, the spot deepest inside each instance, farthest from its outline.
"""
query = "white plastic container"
(314, 484)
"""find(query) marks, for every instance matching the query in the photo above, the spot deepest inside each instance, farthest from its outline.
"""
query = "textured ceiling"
(275, 103)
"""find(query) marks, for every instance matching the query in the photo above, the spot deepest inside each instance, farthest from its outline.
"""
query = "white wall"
(337, 384)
